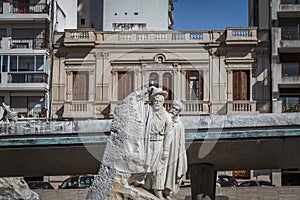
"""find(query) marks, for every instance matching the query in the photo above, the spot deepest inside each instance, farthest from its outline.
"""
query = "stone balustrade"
(78, 109)
(242, 35)
(241, 107)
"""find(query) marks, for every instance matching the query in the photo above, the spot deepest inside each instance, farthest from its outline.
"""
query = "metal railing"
(290, 69)
(27, 77)
(29, 8)
(29, 43)
(290, 2)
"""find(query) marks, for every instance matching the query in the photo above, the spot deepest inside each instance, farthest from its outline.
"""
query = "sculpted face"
(158, 102)
(174, 110)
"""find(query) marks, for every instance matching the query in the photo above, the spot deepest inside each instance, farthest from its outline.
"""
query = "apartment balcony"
(241, 107)
(80, 38)
(289, 8)
(78, 109)
(29, 43)
(290, 73)
(8, 43)
(241, 36)
(290, 39)
(24, 11)
(24, 81)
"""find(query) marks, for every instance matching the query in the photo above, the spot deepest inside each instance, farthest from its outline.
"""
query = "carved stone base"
(122, 190)
(15, 189)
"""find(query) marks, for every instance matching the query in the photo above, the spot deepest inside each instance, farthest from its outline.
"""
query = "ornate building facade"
(212, 72)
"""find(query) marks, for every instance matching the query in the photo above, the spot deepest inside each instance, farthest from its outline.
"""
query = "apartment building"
(125, 15)
(26, 29)
(282, 19)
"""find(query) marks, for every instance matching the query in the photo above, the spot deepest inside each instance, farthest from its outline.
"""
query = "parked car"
(252, 183)
(227, 181)
(39, 185)
(77, 182)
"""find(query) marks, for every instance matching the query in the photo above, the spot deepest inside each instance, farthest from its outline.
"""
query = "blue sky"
(210, 14)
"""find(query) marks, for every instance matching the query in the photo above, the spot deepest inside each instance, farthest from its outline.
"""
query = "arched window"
(168, 85)
(153, 80)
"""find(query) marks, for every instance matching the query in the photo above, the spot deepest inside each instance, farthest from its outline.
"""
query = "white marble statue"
(16, 188)
(136, 159)
(176, 167)
(7, 114)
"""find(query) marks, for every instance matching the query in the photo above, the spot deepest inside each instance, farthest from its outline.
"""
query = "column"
(203, 180)
(91, 85)
(106, 77)
(205, 85)
(99, 76)
(230, 85)
(69, 86)
(183, 85)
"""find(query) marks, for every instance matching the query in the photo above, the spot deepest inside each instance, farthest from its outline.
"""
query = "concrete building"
(125, 15)
(282, 19)
(26, 30)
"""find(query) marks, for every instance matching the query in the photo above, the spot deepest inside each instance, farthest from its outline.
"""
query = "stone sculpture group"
(7, 114)
(146, 152)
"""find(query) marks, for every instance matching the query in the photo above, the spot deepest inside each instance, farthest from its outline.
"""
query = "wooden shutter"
(200, 85)
(241, 85)
(125, 84)
(80, 86)
(188, 78)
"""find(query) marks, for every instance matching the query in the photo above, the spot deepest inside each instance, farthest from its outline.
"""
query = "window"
(241, 85)
(168, 85)
(194, 85)
(125, 84)
(153, 80)
(136, 13)
(82, 21)
(80, 86)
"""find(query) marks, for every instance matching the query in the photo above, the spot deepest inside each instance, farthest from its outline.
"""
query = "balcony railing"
(29, 43)
(290, 2)
(290, 33)
(80, 37)
(25, 77)
(247, 35)
(78, 109)
(290, 69)
(241, 107)
(29, 8)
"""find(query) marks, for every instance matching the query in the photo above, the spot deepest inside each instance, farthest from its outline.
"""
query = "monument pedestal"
(203, 180)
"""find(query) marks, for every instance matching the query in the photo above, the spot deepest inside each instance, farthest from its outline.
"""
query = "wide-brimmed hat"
(158, 91)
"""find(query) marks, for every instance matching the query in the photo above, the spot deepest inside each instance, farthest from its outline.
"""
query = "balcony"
(289, 8)
(80, 38)
(290, 39)
(24, 11)
(241, 107)
(29, 8)
(78, 109)
(241, 36)
(24, 81)
(29, 43)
